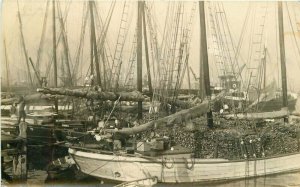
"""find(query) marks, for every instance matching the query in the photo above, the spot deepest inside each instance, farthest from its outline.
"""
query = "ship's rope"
(41, 44)
(80, 47)
(294, 36)
(115, 104)
(187, 164)
(164, 162)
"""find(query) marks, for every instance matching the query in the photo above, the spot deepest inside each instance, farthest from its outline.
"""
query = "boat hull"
(174, 169)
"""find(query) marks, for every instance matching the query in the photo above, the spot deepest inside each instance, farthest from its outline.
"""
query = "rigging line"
(41, 44)
(243, 33)
(188, 39)
(184, 47)
(57, 43)
(152, 46)
(241, 38)
(214, 39)
(226, 38)
(172, 49)
(165, 25)
(115, 104)
(250, 47)
(102, 39)
(154, 49)
(99, 19)
(252, 26)
(294, 36)
(231, 39)
(175, 36)
(81, 41)
(132, 58)
(168, 43)
(181, 53)
(118, 54)
(219, 37)
(65, 44)
(295, 17)
(153, 41)
(164, 52)
(221, 44)
(258, 55)
(23, 45)
(222, 14)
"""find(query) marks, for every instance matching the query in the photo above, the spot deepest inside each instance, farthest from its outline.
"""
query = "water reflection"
(280, 180)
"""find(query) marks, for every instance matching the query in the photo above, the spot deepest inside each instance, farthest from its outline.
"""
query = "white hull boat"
(179, 168)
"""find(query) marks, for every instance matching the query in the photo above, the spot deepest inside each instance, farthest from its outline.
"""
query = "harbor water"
(280, 180)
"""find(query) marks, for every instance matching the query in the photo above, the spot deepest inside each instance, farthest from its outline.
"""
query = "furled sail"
(98, 95)
(260, 116)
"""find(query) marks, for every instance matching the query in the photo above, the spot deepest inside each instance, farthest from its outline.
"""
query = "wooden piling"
(20, 157)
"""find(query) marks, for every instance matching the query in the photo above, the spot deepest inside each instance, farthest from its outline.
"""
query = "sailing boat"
(177, 164)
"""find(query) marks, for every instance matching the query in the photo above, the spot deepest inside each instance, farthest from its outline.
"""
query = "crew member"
(13, 109)
(21, 109)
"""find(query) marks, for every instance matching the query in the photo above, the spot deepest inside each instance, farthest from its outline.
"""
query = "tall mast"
(282, 57)
(265, 67)
(54, 51)
(7, 68)
(146, 49)
(23, 46)
(139, 56)
(204, 60)
(66, 47)
(91, 46)
(54, 44)
(94, 52)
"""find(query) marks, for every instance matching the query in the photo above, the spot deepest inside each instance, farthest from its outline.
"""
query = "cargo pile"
(232, 140)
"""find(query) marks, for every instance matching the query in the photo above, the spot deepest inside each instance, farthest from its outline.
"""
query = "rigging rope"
(294, 36)
(42, 40)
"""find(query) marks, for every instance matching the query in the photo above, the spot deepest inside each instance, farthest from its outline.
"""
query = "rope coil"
(187, 164)
(164, 162)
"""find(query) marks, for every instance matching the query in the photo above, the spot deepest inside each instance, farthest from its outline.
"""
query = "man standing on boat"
(13, 109)
(21, 109)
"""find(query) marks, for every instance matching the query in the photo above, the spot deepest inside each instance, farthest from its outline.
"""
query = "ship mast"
(146, 50)
(7, 67)
(282, 57)
(94, 52)
(204, 60)
(23, 45)
(139, 56)
(54, 51)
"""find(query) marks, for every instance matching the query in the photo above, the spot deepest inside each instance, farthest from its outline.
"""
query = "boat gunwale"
(155, 159)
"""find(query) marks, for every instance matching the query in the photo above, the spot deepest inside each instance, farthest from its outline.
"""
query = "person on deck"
(21, 109)
(86, 81)
(13, 109)
(92, 81)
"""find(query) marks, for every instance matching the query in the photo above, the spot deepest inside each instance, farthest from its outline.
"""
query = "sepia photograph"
(143, 93)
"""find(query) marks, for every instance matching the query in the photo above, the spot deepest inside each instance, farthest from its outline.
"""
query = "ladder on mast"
(117, 62)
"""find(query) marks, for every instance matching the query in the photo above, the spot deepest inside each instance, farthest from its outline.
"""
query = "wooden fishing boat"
(179, 166)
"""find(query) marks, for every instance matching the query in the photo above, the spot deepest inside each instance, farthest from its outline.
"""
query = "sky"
(33, 12)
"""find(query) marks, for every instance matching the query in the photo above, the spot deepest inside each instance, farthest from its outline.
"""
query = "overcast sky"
(33, 11)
